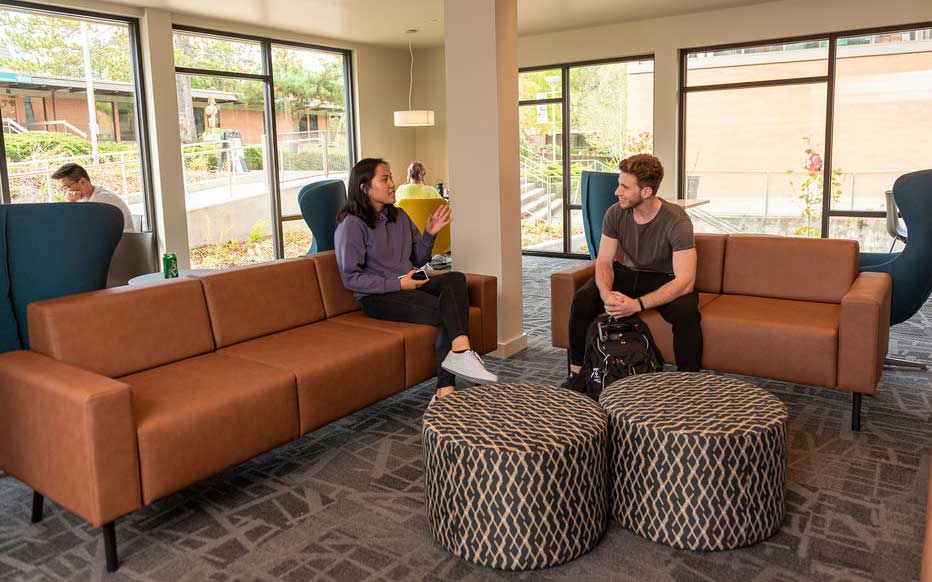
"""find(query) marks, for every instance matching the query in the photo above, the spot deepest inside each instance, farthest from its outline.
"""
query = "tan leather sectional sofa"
(130, 394)
(785, 308)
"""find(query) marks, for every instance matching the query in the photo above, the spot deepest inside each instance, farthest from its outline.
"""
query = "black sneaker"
(575, 381)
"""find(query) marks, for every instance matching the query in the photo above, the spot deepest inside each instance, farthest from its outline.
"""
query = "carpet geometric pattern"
(346, 502)
(515, 474)
(698, 461)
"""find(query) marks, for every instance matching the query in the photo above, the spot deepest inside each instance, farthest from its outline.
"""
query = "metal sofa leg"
(110, 546)
(897, 363)
(856, 411)
(37, 503)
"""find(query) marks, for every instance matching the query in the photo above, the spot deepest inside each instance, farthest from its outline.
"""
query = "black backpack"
(615, 349)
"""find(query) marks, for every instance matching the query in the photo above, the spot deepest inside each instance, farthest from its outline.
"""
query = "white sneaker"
(432, 400)
(468, 365)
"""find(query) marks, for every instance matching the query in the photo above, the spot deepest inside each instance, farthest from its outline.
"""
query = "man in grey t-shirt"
(659, 270)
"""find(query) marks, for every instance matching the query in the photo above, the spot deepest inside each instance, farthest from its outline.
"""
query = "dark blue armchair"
(50, 250)
(911, 268)
(598, 193)
(320, 202)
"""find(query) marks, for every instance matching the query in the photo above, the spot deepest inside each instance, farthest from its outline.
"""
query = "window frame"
(564, 101)
(142, 125)
(829, 79)
(266, 44)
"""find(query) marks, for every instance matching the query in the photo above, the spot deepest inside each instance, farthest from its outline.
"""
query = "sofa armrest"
(483, 293)
(563, 285)
(864, 332)
(69, 434)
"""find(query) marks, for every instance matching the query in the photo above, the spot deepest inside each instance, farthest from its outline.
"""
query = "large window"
(804, 137)
(69, 92)
(259, 120)
(572, 118)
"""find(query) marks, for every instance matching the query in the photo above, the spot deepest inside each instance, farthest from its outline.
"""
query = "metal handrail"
(13, 126)
(61, 122)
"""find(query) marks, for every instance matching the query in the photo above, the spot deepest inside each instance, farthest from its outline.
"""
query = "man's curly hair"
(646, 168)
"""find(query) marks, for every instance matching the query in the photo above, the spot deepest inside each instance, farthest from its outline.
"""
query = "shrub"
(42, 145)
(254, 158)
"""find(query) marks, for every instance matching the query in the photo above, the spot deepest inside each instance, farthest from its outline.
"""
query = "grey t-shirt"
(650, 247)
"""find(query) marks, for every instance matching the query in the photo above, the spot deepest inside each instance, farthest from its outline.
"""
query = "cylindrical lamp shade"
(412, 118)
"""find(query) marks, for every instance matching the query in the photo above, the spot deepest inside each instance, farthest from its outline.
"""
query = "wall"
(430, 93)
(663, 37)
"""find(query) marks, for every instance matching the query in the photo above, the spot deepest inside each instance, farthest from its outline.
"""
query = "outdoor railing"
(63, 123)
(118, 170)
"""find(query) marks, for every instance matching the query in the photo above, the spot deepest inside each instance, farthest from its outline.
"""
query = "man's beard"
(632, 205)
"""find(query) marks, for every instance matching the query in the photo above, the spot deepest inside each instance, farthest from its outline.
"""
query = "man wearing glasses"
(76, 185)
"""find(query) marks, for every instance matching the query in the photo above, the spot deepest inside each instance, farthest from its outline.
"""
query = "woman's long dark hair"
(357, 201)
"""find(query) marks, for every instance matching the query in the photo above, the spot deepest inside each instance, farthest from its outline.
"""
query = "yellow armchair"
(420, 209)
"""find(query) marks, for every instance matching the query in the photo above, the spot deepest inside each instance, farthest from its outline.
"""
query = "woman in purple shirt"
(377, 250)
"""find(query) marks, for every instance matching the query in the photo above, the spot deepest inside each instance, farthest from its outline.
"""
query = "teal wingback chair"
(598, 194)
(911, 268)
(50, 250)
(320, 202)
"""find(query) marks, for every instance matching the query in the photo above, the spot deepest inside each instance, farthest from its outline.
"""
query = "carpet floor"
(346, 502)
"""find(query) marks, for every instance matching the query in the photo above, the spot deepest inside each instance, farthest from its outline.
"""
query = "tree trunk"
(185, 109)
(186, 121)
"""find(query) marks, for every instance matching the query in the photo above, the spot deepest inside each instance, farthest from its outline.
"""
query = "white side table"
(159, 277)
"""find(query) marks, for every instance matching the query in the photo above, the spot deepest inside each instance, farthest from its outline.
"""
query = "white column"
(481, 57)
(158, 62)
(666, 116)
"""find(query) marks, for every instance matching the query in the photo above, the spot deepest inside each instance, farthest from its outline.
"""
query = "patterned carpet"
(346, 502)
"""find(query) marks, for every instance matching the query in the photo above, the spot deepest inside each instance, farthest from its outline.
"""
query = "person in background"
(378, 249)
(415, 186)
(77, 187)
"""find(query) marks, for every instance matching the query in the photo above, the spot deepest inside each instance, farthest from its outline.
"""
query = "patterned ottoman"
(516, 474)
(698, 461)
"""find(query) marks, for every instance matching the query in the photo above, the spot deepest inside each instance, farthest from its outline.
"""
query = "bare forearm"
(666, 293)
(604, 278)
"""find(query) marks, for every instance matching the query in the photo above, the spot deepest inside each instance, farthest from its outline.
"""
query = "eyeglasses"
(70, 187)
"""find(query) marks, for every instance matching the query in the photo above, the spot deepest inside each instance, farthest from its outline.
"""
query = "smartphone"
(419, 276)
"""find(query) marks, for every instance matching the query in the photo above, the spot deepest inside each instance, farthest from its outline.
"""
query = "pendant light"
(413, 117)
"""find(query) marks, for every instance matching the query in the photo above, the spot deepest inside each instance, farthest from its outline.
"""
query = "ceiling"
(384, 22)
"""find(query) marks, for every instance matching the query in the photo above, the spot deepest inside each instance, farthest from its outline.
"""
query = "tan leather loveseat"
(133, 393)
(785, 308)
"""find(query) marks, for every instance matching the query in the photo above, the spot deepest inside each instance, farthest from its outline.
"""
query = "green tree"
(599, 96)
(50, 46)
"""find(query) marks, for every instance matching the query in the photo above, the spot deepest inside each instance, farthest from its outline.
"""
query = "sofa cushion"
(119, 331)
(796, 341)
(201, 415)
(710, 252)
(339, 368)
(662, 331)
(337, 299)
(420, 362)
(250, 302)
(9, 331)
(804, 269)
(418, 343)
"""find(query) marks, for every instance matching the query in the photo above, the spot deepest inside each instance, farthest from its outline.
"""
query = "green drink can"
(170, 265)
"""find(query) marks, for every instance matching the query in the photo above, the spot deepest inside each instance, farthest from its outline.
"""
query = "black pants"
(442, 301)
(682, 312)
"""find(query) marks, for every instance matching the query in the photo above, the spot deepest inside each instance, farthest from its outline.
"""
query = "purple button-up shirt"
(371, 259)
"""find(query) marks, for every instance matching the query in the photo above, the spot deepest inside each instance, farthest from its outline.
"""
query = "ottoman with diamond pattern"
(516, 474)
(698, 461)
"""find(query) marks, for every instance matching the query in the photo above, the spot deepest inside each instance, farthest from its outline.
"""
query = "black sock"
(459, 351)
